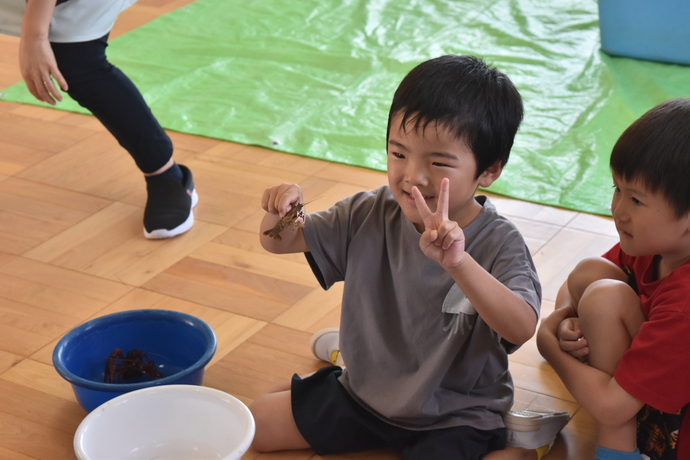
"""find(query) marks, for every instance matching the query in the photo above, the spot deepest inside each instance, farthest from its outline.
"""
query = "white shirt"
(84, 20)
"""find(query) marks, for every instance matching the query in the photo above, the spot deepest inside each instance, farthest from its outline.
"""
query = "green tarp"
(316, 77)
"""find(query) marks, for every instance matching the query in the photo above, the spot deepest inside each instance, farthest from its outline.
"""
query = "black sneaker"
(168, 209)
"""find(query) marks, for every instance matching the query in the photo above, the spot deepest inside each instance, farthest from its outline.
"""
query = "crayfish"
(120, 367)
(293, 218)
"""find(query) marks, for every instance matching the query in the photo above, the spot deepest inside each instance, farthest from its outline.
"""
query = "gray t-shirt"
(417, 354)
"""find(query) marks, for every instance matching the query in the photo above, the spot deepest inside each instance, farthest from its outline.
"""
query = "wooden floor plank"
(8, 360)
(239, 301)
(22, 131)
(260, 264)
(40, 377)
(24, 329)
(33, 440)
(16, 158)
(57, 289)
(39, 407)
(96, 165)
(311, 309)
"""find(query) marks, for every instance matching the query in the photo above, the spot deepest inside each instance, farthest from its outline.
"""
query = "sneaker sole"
(317, 336)
(533, 420)
(163, 233)
(534, 429)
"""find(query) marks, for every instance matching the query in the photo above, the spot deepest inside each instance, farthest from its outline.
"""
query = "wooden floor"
(71, 249)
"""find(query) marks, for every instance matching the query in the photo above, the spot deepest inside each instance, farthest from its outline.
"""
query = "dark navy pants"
(110, 95)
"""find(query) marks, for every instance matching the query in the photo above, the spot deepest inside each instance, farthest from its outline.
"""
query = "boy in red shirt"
(627, 314)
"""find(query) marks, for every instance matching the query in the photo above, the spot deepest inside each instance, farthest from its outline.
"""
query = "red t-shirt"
(656, 368)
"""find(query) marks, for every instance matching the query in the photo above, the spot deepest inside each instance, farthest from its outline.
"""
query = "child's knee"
(608, 298)
(590, 270)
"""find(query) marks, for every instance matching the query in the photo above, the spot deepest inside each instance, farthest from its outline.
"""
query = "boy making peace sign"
(438, 287)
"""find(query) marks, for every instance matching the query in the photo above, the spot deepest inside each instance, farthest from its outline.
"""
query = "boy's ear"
(491, 173)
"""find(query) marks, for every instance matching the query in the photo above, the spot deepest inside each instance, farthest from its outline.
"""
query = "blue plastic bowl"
(180, 345)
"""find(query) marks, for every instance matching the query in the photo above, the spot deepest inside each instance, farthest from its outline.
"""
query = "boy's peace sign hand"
(443, 241)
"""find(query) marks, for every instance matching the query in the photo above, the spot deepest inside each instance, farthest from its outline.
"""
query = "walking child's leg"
(610, 316)
(117, 103)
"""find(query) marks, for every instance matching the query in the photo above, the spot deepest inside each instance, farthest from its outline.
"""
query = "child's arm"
(597, 391)
(569, 332)
(443, 241)
(587, 272)
(36, 59)
(277, 201)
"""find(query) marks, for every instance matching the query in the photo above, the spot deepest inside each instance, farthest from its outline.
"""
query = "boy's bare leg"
(610, 315)
(590, 270)
(275, 426)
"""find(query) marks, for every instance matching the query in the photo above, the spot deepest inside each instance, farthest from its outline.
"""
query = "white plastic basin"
(172, 422)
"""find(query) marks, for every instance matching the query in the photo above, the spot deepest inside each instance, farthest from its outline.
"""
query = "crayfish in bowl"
(120, 367)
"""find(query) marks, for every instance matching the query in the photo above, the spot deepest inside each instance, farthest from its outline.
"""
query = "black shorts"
(332, 422)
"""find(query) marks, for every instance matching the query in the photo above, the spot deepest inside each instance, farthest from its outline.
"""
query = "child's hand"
(38, 68)
(277, 202)
(281, 198)
(443, 241)
(571, 340)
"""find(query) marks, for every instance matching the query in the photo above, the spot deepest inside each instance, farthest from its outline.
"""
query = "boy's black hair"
(655, 150)
(477, 102)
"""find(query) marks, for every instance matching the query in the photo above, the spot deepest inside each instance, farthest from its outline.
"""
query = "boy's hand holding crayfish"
(284, 206)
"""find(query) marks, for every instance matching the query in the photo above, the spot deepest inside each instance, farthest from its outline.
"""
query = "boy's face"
(646, 222)
(422, 158)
